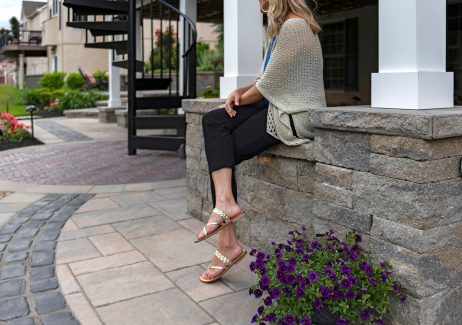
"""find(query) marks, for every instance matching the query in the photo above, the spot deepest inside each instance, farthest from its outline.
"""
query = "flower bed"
(323, 281)
(14, 134)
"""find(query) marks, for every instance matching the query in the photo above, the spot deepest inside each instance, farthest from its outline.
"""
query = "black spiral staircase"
(131, 29)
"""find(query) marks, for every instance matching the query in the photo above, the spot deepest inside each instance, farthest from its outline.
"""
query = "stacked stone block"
(393, 175)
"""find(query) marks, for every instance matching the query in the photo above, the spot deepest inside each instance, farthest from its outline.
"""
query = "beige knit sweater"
(293, 82)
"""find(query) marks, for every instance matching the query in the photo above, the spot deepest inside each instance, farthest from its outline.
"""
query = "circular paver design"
(29, 290)
(90, 163)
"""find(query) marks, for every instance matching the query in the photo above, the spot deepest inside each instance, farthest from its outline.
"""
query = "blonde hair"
(279, 9)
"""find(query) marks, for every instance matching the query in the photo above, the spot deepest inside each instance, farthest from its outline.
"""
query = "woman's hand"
(233, 100)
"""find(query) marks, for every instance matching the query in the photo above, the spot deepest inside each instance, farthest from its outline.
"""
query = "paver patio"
(126, 256)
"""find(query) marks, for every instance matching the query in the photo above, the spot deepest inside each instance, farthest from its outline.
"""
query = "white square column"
(243, 44)
(412, 56)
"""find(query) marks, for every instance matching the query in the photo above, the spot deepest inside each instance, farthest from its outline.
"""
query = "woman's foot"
(229, 207)
(231, 252)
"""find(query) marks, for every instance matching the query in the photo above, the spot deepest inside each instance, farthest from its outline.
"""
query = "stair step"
(82, 112)
(153, 83)
(120, 46)
(124, 65)
(101, 28)
(169, 143)
(97, 7)
(158, 102)
(161, 122)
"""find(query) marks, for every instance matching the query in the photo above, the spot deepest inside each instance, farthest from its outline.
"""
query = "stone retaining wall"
(394, 175)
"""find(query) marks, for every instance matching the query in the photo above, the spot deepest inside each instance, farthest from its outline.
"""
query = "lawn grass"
(12, 95)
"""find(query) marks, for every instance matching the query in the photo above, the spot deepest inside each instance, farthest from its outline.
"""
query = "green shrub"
(32, 96)
(45, 98)
(52, 80)
(75, 81)
(210, 92)
(100, 76)
(74, 99)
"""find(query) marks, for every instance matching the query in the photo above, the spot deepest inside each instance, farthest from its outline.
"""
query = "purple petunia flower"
(287, 291)
(268, 301)
(264, 282)
(275, 292)
(345, 270)
(260, 309)
(260, 255)
(358, 238)
(325, 292)
(252, 266)
(312, 277)
(315, 244)
(254, 318)
(299, 292)
(292, 261)
(367, 268)
(384, 276)
(371, 281)
(290, 319)
(290, 268)
(271, 317)
(365, 314)
(342, 321)
(305, 321)
(379, 321)
(402, 298)
(317, 303)
(258, 293)
(329, 272)
(290, 279)
(395, 287)
(252, 251)
(350, 295)
(345, 283)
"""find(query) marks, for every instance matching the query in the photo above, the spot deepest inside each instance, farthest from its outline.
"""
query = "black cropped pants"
(231, 140)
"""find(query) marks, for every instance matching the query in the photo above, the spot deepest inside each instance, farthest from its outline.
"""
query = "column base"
(413, 90)
(228, 84)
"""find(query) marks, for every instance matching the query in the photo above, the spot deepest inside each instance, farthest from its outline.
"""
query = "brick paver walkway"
(126, 256)
(89, 163)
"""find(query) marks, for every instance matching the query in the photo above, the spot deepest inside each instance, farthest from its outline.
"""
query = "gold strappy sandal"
(225, 221)
(226, 261)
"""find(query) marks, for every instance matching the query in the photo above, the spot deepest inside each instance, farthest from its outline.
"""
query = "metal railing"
(21, 37)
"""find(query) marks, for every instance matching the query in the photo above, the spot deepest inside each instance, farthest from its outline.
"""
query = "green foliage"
(210, 92)
(75, 81)
(52, 80)
(100, 76)
(208, 60)
(74, 99)
(11, 100)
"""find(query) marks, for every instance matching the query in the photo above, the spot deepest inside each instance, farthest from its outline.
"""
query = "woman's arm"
(250, 96)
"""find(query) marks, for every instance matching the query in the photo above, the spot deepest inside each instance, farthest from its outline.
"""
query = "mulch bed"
(45, 114)
(6, 145)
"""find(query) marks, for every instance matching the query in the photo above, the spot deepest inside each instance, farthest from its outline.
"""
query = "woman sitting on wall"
(274, 109)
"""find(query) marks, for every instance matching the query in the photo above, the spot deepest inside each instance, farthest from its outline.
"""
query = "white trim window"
(53, 7)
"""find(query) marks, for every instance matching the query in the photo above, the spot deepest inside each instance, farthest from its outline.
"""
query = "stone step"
(104, 103)
(82, 112)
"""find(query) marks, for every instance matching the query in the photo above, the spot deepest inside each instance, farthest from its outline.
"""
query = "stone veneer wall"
(394, 175)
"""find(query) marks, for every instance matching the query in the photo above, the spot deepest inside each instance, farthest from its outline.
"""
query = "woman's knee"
(212, 115)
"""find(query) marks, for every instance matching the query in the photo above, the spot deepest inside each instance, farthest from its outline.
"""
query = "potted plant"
(321, 281)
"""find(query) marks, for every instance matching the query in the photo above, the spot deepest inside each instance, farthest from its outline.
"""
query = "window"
(53, 6)
(454, 47)
(339, 41)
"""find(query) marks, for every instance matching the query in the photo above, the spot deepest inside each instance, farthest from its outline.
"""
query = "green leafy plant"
(167, 50)
(305, 277)
(101, 76)
(208, 60)
(75, 81)
(74, 99)
(210, 92)
(52, 80)
(11, 129)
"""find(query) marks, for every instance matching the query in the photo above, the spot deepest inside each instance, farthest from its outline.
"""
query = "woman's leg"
(250, 138)
(218, 128)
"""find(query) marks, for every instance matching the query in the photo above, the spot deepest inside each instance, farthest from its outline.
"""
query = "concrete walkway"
(125, 256)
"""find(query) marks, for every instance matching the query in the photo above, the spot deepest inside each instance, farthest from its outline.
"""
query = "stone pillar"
(21, 71)
(189, 8)
(394, 176)
(243, 44)
(412, 56)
